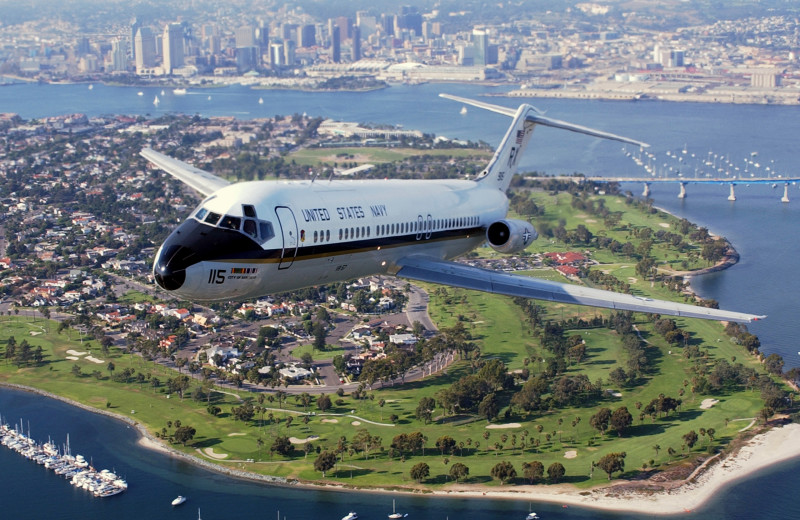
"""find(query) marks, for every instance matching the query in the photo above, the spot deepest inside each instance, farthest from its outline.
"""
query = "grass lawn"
(502, 331)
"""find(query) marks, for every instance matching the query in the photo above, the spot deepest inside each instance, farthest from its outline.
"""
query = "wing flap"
(200, 180)
(428, 269)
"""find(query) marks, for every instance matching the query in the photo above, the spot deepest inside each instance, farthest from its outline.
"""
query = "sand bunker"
(499, 426)
(356, 423)
(571, 454)
(76, 353)
(73, 358)
(94, 360)
(333, 421)
(708, 403)
(295, 440)
(236, 434)
(214, 455)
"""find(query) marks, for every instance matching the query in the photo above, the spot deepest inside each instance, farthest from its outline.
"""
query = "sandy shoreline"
(778, 444)
(763, 450)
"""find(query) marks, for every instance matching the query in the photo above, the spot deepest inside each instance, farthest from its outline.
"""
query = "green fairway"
(499, 326)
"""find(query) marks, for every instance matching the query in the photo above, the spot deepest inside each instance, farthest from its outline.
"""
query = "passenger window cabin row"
(262, 230)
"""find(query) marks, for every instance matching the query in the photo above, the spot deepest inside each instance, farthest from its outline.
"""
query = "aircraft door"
(289, 233)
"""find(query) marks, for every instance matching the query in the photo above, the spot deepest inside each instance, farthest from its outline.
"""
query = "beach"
(775, 445)
(761, 451)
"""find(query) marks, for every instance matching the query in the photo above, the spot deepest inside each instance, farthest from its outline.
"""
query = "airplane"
(251, 239)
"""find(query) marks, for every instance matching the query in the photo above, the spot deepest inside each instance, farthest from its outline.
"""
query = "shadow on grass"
(207, 443)
(349, 473)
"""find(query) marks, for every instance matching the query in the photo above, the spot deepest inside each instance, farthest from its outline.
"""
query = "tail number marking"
(217, 276)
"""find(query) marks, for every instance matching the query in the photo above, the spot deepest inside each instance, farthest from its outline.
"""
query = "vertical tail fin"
(503, 166)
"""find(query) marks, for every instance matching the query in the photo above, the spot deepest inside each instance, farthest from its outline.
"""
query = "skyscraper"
(173, 47)
(336, 42)
(135, 24)
(145, 43)
(119, 55)
(480, 40)
(356, 43)
(307, 36)
(245, 36)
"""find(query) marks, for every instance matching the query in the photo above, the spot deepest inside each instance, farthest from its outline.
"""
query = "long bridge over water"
(773, 181)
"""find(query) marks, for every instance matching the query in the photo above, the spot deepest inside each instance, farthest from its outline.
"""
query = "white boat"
(463, 110)
(180, 499)
(140, 93)
(91, 86)
(156, 101)
(179, 91)
(352, 515)
(395, 514)
(532, 516)
(260, 101)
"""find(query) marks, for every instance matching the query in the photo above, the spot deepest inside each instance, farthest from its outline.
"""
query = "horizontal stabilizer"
(202, 181)
(536, 116)
(428, 269)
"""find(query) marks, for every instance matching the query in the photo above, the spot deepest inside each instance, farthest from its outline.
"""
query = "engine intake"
(510, 236)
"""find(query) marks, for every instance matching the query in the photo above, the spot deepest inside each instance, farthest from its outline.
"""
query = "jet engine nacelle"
(510, 236)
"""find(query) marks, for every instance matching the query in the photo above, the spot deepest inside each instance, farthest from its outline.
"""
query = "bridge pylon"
(732, 196)
(785, 197)
(646, 192)
(682, 193)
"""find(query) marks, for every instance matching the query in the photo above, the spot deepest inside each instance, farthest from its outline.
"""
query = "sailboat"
(156, 101)
(260, 101)
(198, 514)
(395, 514)
(463, 110)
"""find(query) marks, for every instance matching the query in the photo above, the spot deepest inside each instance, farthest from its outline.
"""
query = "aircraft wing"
(427, 269)
(202, 181)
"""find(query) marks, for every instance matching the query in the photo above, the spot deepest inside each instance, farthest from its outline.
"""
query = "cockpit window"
(201, 213)
(212, 218)
(266, 231)
(250, 228)
(230, 222)
(249, 211)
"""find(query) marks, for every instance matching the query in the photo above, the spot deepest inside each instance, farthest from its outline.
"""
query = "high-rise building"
(145, 43)
(246, 58)
(387, 24)
(336, 42)
(173, 47)
(135, 24)
(262, 36)
(356, 54)
(245, 36)
(83, 46)
(480, 40)
(368, 24)
(345, 27)
(276, 55)
(288, 53)
(119, 55)
(307, 36)
(289, 32)
(410, 19)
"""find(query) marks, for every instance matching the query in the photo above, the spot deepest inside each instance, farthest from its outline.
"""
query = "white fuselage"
(329, 231)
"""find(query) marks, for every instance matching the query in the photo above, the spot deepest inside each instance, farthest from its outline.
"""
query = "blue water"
(764, 281)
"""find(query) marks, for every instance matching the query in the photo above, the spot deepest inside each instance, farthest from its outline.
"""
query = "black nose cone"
(170, 267)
